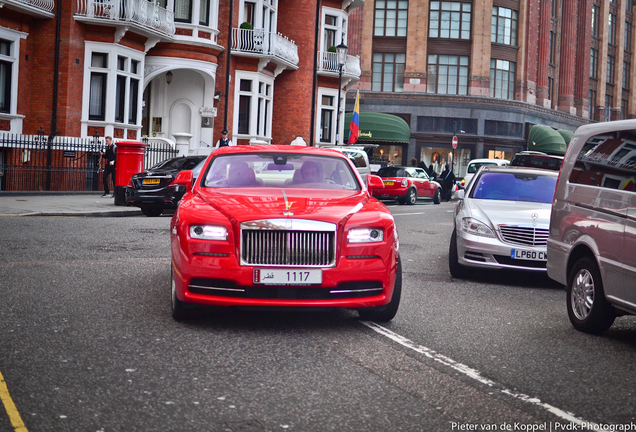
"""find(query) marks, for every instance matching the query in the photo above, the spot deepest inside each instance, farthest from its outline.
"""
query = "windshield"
(391, 172)
(291, 170)
(515, 187)
(180, 163)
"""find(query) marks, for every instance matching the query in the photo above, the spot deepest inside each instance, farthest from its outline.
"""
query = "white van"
(357, 155)
(592, 241)
(475, 164)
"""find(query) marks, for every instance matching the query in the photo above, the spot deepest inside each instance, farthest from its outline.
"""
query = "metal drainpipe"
(56, 81)
(312, 127)
(227, 66)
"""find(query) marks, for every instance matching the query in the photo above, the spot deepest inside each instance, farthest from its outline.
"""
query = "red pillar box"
(130, 161)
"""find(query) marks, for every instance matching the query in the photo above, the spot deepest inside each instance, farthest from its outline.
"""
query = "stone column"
(583, 48)
(182, 141)
(567, 64)
(543, 58)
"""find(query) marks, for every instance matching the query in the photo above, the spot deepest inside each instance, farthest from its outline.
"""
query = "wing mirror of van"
(184, 178)
(460, 194)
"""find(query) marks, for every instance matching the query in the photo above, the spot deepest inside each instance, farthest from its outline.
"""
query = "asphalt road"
(87, 343)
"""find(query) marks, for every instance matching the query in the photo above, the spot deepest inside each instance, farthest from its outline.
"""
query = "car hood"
(241, 205)
(499, 212)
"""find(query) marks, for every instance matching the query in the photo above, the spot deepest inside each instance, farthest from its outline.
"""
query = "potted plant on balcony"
(246, 37)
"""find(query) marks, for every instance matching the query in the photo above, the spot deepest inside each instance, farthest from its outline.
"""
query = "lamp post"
(341, 52)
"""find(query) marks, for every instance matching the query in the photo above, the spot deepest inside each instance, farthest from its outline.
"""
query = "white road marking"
(473, 373)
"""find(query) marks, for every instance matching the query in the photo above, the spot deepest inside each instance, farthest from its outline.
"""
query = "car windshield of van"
(512, 186)
(355, 157)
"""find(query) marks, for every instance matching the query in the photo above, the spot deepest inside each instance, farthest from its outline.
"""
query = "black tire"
(386, 313)
(437, 198)
(152, 211)
(587, 306)
(411, 197)
(179, 309)
(457, 270)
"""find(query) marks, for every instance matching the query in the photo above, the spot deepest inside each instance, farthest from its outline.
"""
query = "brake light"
(405, 182)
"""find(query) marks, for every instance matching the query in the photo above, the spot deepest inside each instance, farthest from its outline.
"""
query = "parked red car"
(407, 184)
(283, 227)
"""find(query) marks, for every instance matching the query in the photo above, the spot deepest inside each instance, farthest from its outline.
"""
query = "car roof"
(519, 169)
(277, 148)
(488, 160)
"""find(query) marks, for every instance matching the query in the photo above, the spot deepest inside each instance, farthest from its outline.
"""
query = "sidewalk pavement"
(62, 204)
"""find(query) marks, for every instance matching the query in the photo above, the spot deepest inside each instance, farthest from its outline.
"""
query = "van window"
(356, 158)
(608, 161)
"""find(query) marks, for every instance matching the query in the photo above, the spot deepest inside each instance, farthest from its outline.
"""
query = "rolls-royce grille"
(526, 236)
(288, 248)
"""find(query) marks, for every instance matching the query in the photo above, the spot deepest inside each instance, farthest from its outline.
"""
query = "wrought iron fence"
(157, 151)
(31, 163)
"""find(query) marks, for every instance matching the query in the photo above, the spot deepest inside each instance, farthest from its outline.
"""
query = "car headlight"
(473, 226)
(208, 232)
(365, 235)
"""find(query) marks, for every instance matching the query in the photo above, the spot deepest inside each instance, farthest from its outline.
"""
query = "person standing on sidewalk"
(224, 141)
(110, 156)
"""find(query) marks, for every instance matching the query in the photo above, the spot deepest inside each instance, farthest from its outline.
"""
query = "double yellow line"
(12, 411)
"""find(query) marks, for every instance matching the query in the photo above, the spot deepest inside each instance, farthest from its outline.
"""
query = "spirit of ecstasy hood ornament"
(287, 205)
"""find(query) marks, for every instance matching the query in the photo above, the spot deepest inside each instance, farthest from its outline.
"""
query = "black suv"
(536, 159)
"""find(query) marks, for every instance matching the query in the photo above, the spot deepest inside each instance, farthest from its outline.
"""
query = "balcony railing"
(328, 62)
(142, 12)
(259, 41)
(32, 5)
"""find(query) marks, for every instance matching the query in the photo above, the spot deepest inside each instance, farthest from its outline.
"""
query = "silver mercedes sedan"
(502, 221)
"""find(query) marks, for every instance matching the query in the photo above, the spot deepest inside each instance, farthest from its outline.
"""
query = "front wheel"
(386, 313)
(588, 309)
(437, 198)
(457, 270)
(179, 309)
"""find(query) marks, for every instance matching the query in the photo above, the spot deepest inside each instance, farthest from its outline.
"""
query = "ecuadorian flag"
(354, 127)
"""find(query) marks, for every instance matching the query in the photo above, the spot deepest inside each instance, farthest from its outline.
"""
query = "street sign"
(455, 141)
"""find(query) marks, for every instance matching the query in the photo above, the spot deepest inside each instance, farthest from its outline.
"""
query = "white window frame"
(259, 9)
(195, 19)
(323, 91)
(14, 58)
(113, 52)
(342, 21)
(256, 79)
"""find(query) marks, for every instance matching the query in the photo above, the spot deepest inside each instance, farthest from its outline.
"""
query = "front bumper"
(219, 281)
(492, 253)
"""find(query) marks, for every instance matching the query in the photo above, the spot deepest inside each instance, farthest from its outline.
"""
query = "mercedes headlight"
(475, 227)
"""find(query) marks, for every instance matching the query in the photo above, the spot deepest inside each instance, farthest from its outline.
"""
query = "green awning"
(546, 139)
(378, 128)
(566, 134)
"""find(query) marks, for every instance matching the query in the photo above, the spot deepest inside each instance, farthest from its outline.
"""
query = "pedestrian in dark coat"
(110, 156)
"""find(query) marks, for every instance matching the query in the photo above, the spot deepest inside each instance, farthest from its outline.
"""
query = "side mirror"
(374, 182)
(459, 194)
(184, 178)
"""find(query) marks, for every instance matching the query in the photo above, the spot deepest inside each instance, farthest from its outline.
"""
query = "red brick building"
(492, 69)
(158, 69)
